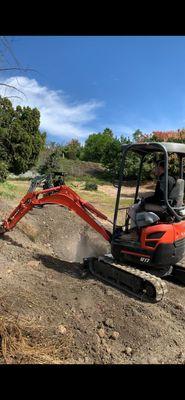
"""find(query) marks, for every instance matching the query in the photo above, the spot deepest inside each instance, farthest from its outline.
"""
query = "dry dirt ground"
(128, 191)
(51, 313)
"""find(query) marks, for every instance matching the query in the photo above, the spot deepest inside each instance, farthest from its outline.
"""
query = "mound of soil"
(51, 312)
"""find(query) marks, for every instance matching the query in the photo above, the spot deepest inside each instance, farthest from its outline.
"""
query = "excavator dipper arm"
(62, 196)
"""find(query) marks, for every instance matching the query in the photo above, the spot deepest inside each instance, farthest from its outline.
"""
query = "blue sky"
(84, 84)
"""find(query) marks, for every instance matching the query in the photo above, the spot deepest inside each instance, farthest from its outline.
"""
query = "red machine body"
(159, 245)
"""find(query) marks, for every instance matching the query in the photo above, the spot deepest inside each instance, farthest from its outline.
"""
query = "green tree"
(51, 163)
(112, 156)
(137, 135)
(6, 112)
(20, 138)
(112, 159)
(72, 149)
(95, 145)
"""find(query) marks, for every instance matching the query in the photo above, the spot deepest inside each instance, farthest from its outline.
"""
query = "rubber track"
(181, 263)
(158, 284)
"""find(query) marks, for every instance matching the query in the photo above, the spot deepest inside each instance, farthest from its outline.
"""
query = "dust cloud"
(90, 244)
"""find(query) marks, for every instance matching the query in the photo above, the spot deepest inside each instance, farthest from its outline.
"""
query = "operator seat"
(176, 196)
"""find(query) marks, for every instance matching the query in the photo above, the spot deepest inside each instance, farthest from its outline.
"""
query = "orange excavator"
(136, 264)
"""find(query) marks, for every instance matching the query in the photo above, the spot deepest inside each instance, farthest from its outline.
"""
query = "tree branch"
(12, 87)
(18, 69)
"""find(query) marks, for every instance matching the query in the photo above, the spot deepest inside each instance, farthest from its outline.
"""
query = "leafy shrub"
(51, 163)
(91, 186)
(3, 171)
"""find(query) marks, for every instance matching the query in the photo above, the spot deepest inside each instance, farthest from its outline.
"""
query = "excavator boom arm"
(62, 196)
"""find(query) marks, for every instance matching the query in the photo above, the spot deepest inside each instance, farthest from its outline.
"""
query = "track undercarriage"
(136, 282)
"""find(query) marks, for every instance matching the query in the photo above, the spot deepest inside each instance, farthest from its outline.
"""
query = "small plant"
(91, 186)
(7, 190)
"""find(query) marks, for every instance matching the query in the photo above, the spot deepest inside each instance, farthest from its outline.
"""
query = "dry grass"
(20, 345)
(13, 189)
(104, 202)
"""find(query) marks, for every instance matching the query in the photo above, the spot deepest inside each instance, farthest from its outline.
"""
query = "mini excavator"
(136, 265)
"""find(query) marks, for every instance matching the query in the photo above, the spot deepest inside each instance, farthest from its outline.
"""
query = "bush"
(91, 186)
(3, 171)
(52, 163)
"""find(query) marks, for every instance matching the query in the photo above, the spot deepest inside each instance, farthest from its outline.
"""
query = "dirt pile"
(51, 313)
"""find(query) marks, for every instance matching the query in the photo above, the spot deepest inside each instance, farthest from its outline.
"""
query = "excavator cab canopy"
(165, 148)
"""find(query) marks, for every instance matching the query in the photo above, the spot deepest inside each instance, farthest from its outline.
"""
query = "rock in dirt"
(87, 360)
(128, 351)
(54, 296)
(101, 332)
(62, 329)
(97, 339)
(153, 360)
(108, 349)
(114, 335)
(109, 322)
(108, 292)
(103, 342)
(33, 264)
(181, 355)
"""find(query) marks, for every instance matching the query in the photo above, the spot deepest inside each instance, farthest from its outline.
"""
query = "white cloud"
(59, 117)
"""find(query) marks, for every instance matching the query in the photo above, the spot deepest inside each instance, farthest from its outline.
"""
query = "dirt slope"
(51, 313)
